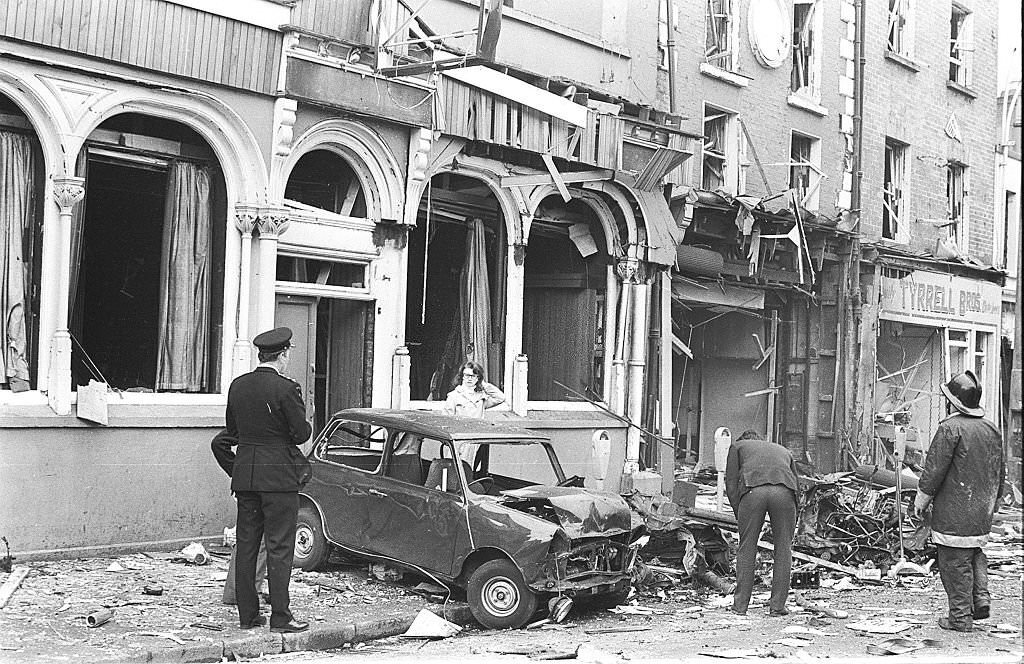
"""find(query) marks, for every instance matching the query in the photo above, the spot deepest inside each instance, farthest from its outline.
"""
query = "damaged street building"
(645, 220)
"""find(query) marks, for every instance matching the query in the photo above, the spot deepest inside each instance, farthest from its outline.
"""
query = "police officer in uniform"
(267, 417)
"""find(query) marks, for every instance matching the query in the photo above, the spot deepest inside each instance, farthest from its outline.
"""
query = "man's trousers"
(270, 517)
(779, 503)
(964, 574)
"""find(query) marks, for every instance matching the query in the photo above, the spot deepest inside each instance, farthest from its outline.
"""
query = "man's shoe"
(944, 623)
(778, 613)
(291, 627)
(981, 612)
(258, 621)
(739, 612)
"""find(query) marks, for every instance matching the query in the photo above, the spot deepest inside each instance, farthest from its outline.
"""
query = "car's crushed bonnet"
(580, 512)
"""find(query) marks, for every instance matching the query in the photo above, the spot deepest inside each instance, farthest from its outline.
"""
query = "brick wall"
(910, 101)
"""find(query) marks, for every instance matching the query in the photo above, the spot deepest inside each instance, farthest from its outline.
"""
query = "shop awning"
(717, 294)
(663, 234)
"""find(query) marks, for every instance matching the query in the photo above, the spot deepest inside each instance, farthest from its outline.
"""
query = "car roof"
(440, 426)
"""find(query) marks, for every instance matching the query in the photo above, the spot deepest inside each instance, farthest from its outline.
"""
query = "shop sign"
(942, 297)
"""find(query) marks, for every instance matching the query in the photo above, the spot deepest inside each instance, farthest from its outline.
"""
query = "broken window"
(804, 174)
(892, 189)
(960, 45)
(723, 149)
(956, 191)
(566, 274)
(718, 34)
(324, 180)
(900, 26)
(147, 267)
(455, 306)
(806, 50)
(21, 179)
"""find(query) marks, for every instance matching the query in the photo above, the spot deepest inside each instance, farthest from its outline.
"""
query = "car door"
(348, 455)
(416, 524)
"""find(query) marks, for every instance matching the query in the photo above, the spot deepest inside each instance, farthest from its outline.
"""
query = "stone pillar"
(67, 191)
(272, 222)
(400, 378)
(246, 217)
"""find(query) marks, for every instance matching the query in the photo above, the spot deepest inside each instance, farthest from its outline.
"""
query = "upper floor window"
(956, 194)
(720, 34)
(804, 173)
(723, 151)
(807, 27)
(901, 18)
(961, 46)
(894, 178)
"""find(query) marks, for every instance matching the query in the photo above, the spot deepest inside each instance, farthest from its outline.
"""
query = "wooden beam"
(579, 176)
(557, 177)
(350, 197)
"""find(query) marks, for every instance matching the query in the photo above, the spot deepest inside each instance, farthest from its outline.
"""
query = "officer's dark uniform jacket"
(267, 416)
(754, 463)
(964, 470)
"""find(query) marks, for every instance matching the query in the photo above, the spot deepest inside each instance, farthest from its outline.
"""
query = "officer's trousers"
(779, 503)
(964, 574)
(268, 516)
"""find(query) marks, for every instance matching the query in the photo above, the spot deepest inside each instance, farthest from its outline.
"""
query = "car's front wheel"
(311, 546)
(499, 597)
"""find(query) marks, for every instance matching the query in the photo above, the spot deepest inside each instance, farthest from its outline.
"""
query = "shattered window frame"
(720, 151)
(805, 158)
(805, 78)
(956, 202)
(961, 37)
(900, 28)
(893, 190)
(719, 37)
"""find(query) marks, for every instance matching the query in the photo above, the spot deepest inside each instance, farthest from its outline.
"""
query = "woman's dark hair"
(749, 434)
(475, 368)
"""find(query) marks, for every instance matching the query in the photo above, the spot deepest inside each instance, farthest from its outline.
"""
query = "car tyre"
(499, 597)
(311, 546)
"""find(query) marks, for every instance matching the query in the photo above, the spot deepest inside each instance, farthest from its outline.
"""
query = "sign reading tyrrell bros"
(942, 298)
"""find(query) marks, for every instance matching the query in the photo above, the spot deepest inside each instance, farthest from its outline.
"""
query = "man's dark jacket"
(267, 417)
(754, 463)
(964, 471)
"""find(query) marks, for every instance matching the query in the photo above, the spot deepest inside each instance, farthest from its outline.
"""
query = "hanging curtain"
(183, 345)
(475, 318)
(16, 206)
(76, 312)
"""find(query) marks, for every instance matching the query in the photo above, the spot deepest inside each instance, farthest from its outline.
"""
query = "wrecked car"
(481, 506)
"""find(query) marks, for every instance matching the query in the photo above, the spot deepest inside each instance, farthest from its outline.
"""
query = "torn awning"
(663, 234)
(512, 88)
(717, 294)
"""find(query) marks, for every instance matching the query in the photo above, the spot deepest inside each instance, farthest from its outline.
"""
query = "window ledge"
(730, 77)
(962, 89)
(807, 104)
(902, 60)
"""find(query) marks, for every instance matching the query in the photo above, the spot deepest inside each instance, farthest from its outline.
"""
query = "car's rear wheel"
(311, 546)
(499, 597)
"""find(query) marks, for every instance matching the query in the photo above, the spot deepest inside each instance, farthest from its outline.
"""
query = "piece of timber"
(11, 584)
(812, 559)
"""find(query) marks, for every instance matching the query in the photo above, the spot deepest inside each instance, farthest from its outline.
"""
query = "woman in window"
(472, 394)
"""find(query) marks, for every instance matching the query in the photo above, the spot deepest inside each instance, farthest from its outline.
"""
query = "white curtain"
(183, 347)
(16, 207)
(475, 297)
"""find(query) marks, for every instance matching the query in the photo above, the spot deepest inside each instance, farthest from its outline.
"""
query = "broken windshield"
(529, 462)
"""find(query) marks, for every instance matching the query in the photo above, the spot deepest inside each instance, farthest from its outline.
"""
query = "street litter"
(881, 626)
(616, 630)
(196, 554)
(799, 629)
(901, 646)
(820, 609)
(731, 653)
(214, 627)
(636, 610)
(98, 618)
(164, 635)
(428, 625)
(792, 643)
(382, 572)
(540, 653)
(152, 590)
(115, 567)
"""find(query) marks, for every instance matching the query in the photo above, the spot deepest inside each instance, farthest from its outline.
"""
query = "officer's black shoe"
(258, 621)
(290, 627)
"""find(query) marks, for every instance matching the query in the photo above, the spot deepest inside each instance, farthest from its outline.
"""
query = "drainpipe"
(853, 348)
(670, 50)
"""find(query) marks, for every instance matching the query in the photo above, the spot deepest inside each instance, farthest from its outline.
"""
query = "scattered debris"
(165, 635)
(881, 626)
(540, 653)
(152, 590)
(616, 630)
(429, 625)
(901, 646)
(11, 585)
(732, 653)
(791, 642)
(196, 554)
(97, 618)
(214, 627)
(382, 572)
(116, 567)
(820, 609)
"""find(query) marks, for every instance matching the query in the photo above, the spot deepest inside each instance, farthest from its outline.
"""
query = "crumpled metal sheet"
(580, 512)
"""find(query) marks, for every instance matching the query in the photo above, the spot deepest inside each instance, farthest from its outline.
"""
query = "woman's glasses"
(469, 375)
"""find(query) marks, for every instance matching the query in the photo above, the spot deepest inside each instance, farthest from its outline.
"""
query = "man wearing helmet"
(962, 479)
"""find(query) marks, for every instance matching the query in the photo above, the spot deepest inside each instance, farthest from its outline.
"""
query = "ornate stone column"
(67, 191)
(272, 222)
(246, 217)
